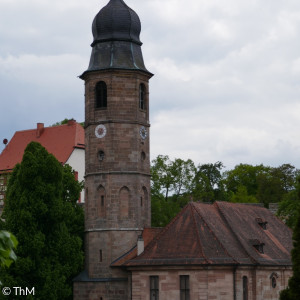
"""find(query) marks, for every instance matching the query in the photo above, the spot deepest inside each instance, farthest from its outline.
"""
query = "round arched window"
(142, 100)
(101, 94)
(273, 282)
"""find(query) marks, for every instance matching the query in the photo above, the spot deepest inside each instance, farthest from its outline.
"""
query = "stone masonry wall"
(212, 283)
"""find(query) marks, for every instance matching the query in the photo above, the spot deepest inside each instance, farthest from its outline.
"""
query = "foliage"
(8, 243)
(209, 183)
(243, 180)
(41, 211)
(289, 207)
(276, 184)
(65, 121)
(176, 182)
(292, 292)
(171, 177)
(162, 211)
(241, 196)
(170, 181)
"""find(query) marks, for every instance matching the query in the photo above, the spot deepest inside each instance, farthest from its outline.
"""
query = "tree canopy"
(65, 121)
(8, 243)
(292, 292)
(42, 213)
(176, 182)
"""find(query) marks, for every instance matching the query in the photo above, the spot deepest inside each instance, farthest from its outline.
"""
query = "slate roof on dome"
(58, 140)
(116, 45)
(116, 21)
(219, 234)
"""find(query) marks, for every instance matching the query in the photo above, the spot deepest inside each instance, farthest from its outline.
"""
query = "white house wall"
(76, 161)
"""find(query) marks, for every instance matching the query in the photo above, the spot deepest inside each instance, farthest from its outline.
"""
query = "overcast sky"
(227, 73)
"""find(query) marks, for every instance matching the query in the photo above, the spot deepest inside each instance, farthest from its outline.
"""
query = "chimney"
(140, 245)
(39, 129)
(71, 122)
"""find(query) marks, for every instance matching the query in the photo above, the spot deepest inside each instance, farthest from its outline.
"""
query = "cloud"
(226, 84)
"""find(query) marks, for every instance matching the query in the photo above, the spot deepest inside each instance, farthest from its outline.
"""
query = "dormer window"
(142, 97)
(262, 223)
(258, 246)
(101, 95)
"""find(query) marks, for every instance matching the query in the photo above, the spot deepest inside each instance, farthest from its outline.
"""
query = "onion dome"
(116, 21)
(116, 30)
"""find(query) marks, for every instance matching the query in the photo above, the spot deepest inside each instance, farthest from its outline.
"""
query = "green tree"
(172, 177)
(65, 121)
(266, 184)
(208, 183)
(171, 183)
(8, 243)
(244, 175)
(289, 207)
(276, 184)
(241, 196)
(292, 292)
(41, 211)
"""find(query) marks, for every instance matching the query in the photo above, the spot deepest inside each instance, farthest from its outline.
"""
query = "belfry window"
(101, 94)
(142, 100)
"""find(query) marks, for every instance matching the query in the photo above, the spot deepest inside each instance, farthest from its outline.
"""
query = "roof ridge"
(221, 244)
(198, 233)
(233, 232)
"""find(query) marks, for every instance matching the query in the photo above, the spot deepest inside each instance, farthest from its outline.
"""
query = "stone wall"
(212, 283)
(101, 291)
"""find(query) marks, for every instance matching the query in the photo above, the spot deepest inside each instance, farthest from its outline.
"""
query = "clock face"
(143, 132)
(100, 131)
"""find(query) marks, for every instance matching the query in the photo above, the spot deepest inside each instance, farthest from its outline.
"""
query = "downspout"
(234, 282)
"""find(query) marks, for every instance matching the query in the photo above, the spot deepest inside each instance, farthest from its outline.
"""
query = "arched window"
(145, 196)
(101, 202)
(144, 207)
(124, 196)
(245, 288)
(142, 100)
(273, 278)
(101, 94)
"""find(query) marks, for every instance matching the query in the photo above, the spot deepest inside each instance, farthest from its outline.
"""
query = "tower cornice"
(85, 74)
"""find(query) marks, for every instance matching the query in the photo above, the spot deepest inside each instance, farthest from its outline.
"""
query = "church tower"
(117, 174)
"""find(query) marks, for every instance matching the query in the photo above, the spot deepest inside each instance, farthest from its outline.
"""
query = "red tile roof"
(219, 234)
(148, 235)
(58, 140)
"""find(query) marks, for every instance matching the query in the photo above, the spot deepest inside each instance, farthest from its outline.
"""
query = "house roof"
(148, 235)
(222, 233)
(58, 140)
